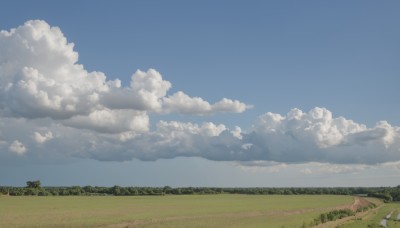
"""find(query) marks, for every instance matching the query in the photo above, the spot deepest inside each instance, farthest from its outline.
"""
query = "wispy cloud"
(326, 168)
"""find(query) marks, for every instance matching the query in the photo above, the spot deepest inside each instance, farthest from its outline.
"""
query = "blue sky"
(340, 56)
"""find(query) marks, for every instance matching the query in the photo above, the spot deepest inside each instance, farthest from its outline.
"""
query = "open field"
(167, 211)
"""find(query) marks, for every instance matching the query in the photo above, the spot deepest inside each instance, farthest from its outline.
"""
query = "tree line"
(34, 188)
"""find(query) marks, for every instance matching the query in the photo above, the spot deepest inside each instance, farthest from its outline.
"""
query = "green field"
(166, 211)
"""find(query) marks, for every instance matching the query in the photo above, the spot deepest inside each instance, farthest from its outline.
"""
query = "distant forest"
(34, 188)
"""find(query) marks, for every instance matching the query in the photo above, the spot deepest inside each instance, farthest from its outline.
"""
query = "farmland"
(225, 210)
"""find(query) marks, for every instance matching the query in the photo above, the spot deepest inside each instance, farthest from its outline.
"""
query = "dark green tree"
(33, 184)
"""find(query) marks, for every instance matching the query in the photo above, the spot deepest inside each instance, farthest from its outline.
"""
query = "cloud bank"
(40, 78)
(51, 108)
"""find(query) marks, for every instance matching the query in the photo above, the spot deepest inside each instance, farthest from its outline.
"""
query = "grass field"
(166, 211)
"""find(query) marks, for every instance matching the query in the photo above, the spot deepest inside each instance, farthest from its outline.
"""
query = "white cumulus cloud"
(40, 77)
(17, 147)
(57, 109)
(111, 121)
(145, 92)
(41, 138)
(318, 136)
(180, 102)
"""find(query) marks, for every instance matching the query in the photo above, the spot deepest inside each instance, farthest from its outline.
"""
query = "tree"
(31, 192)
(89, 189)
(75, 190)
(167, 189)
(323, 218)
(33, 184)
(116, 190)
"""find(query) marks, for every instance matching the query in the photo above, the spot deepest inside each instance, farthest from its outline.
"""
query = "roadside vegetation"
(374, 218)
(332, 216)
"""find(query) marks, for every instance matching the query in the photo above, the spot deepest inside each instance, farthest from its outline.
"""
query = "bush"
(332, 216)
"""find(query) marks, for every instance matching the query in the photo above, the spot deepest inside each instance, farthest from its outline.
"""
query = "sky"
(200, 93)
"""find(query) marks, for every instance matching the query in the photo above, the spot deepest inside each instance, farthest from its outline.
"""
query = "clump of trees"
(33, 184)
(34, 188)
(332, 216)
